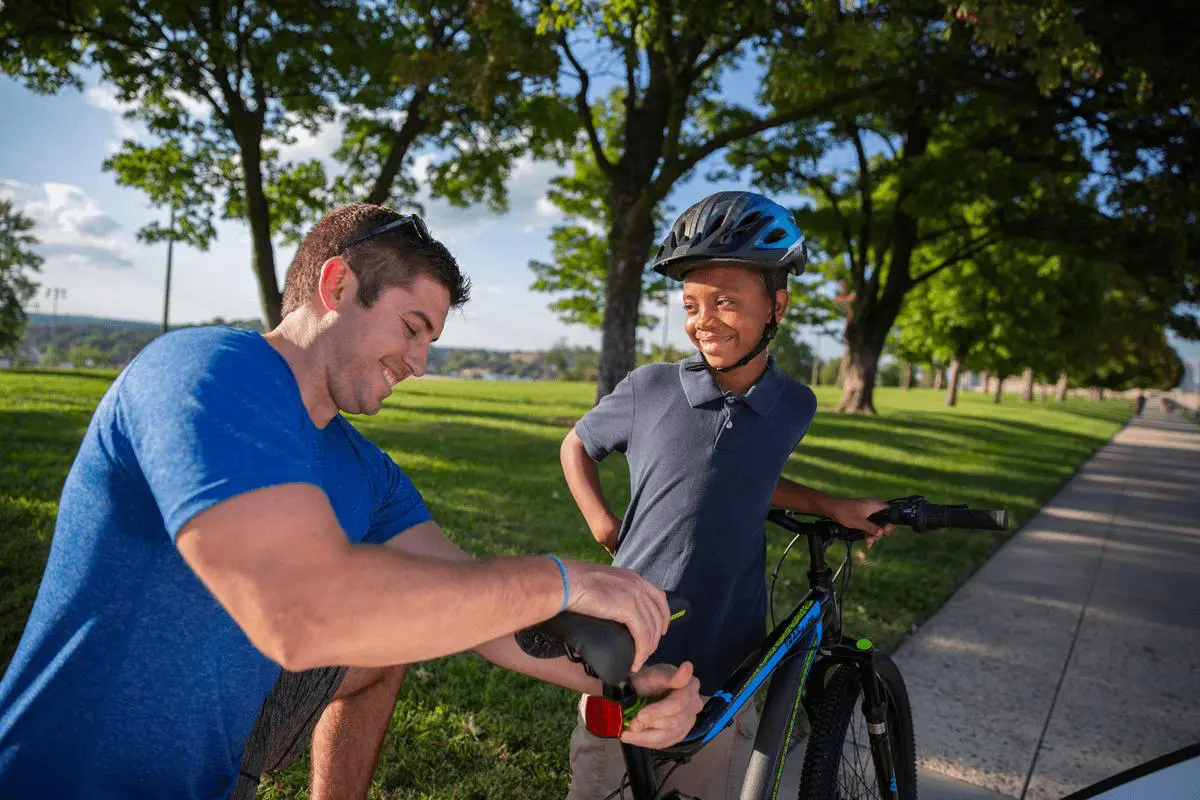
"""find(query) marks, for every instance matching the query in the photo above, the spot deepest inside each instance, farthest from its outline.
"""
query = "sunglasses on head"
(408, 219)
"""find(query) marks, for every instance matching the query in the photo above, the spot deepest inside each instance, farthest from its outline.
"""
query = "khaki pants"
(714, 773)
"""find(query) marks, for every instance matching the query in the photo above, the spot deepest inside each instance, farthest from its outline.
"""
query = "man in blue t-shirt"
(706, 440)
(222, 519)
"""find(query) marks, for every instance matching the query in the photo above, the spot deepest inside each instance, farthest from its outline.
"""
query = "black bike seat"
(606, 647)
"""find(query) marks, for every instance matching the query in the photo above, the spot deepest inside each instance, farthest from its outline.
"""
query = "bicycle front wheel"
(838, 764)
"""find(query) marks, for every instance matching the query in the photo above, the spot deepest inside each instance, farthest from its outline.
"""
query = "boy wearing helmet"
(706, 439)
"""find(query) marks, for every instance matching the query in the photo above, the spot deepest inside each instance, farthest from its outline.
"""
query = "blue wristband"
(566, 586)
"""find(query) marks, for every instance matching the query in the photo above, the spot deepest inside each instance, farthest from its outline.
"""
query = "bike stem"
(637, 760)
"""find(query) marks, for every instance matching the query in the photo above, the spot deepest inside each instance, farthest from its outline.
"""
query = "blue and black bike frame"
(794, 656)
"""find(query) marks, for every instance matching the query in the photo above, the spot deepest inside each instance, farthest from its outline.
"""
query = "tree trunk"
(1027, 385)
(629, 242)
(1101, 395)
(999, 387)
(259, 213)
(906, 376)
(952, 392)
(858, 381)
(938, 376)
(864, 345)
(1060, 391)
(841, 376)
(984, 377)
(874, 312)
(414, 123)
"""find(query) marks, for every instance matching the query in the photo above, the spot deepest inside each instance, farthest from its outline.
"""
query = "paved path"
(1074, 653)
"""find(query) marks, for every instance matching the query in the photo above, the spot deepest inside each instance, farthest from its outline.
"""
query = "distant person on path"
(706, 439)
(223, 519)
(1140, 402)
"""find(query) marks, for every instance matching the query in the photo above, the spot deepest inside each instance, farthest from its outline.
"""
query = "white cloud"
(105, 98)
(69, 225)
(545, 208)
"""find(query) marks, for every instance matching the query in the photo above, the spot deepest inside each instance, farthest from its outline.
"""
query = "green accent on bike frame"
(863, 644)
(797, 618)
(791, 726)
(677, 614)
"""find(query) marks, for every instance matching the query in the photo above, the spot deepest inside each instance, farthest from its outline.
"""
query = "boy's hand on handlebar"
(665, 722)
(623, 596)
(853, 513)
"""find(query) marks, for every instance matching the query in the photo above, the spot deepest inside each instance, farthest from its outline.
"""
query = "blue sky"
(50, 163)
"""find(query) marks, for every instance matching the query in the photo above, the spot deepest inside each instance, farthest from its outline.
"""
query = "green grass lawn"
(485, 455)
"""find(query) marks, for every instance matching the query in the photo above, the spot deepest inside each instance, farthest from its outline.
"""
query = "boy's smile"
(727, 309)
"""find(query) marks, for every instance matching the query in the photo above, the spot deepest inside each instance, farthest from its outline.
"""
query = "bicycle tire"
(827, 774)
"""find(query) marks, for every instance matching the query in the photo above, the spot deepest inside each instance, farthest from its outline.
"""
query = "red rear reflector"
(603, 717)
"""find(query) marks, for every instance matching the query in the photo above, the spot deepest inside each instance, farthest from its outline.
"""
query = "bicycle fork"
(874, 708)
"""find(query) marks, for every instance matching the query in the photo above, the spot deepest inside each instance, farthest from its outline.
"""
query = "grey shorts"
(285, 724)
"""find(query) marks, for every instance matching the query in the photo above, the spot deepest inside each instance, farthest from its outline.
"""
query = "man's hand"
(663, 723)
(623, 596)
(853, 513)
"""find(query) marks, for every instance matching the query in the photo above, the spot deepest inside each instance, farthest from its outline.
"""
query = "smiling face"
(727, 309)
(370, 350)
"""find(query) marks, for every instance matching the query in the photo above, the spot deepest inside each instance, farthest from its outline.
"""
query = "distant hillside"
(97, 341)
(104, 322)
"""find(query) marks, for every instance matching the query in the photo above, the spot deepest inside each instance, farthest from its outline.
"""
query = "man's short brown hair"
(394, 258)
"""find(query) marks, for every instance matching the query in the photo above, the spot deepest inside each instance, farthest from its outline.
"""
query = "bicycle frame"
(813, 625)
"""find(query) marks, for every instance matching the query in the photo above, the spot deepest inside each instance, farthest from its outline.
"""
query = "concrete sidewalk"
(1073, 653)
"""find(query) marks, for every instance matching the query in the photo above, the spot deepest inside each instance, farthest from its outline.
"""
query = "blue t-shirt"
(703, 466)
(131, 680)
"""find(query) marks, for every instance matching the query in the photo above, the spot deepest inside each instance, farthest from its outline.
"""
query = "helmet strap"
(768, 334)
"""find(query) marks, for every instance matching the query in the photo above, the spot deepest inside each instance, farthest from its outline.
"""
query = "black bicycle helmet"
(737, 229)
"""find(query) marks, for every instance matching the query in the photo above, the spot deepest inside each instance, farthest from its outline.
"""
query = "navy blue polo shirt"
(703, 466)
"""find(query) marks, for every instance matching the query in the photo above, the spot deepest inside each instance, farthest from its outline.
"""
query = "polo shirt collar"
(699, 386)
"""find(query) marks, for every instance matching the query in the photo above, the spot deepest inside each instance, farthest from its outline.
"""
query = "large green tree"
(17, 262)
(218, 86)
(1130, 74)
(664, 117)
(222, 89)
(945, 162)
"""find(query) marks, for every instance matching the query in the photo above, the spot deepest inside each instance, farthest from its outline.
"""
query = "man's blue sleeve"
(206, 418)
(609, 425)
(401, 505)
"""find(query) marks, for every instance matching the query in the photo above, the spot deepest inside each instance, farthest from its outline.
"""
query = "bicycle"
(810, 665)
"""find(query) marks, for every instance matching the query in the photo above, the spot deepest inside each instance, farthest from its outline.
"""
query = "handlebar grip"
(976, 519)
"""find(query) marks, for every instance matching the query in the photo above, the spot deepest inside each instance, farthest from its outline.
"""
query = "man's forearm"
(504, 652)
(444, 607)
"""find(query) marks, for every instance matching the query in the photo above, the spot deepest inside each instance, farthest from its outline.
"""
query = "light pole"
(55, 293)
(666, 318)
(167, 288)
(816, 363)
